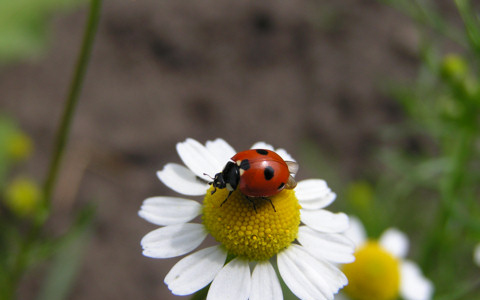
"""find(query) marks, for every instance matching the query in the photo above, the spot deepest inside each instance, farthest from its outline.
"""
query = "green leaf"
(24, 26)
(68, 258)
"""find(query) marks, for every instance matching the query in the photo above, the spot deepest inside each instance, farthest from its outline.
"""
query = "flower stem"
(71, 101)
(23, 259)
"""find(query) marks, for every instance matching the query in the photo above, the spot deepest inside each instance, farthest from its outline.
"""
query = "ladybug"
(256, 173)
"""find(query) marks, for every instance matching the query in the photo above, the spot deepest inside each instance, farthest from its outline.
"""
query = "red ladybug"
(256, 173)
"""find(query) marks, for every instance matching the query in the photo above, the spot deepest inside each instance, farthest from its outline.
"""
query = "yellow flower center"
(254, 235)
(374, 274)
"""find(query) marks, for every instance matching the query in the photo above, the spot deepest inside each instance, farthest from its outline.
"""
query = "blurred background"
(313, 77)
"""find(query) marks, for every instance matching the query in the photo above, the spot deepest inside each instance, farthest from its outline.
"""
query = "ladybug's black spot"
(245, 164)
(281, 186)
(262, 151)
(268, 173)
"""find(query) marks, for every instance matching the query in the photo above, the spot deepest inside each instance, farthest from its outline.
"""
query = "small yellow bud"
(454, 66)
(22, 197)
(19, 146)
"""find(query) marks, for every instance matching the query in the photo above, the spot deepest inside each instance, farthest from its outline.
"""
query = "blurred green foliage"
(25, 26)
(429, 186)
(23, 242)
(427, 182)
(25, 206)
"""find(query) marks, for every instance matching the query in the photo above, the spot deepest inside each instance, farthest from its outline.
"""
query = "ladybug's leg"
(253, 203)
(229, 193)
(271, 203)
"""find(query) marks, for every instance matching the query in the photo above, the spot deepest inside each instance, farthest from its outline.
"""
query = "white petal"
(182, 180)
(173, 240)
(265, 283)
(307, 277)
(395, 241)
(413, 285)
(169, 210)
(325, 221)
(195, 271)
(314, 194)
(319, 202)
(356, 231)
(476, 255)
(232, 282)
(333, 247)
(280, 151)
(284, 154)
(198, 159)
(262, 145)
(221, 150)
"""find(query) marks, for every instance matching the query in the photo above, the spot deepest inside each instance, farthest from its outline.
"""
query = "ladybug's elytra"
(256, 173)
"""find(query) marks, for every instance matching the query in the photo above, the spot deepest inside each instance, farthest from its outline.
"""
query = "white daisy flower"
(380, 270)
(251, 236)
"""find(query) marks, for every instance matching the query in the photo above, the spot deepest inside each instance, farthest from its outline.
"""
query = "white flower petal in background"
(476, 255)
(395, 241)
(169, 210)
(314, 194)
(356, 231)
(262, 145)
(324, 221)
(221, 150)
(307, 277)
(173, 240)
(413, 285)
(233, 282)
(195, 271)
(265, 283)
(333, 247)
(198, 159)
(284, 154)
(182, 180)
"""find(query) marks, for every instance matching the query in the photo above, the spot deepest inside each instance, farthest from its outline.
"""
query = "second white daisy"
(380, 270)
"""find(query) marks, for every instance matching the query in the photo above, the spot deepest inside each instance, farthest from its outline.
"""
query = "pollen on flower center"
(374, 274)
(253, 235)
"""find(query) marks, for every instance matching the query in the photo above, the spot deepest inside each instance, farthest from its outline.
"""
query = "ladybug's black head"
(228, 178)
(219, 181)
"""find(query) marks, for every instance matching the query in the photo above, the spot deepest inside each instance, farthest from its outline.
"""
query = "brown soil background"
(284, 72)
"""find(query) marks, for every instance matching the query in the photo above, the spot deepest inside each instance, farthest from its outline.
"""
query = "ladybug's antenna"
(211, 182)
(210, 178)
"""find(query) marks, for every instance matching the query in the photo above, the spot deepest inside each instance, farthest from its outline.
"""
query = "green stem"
(72, 99)
(22, 261)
